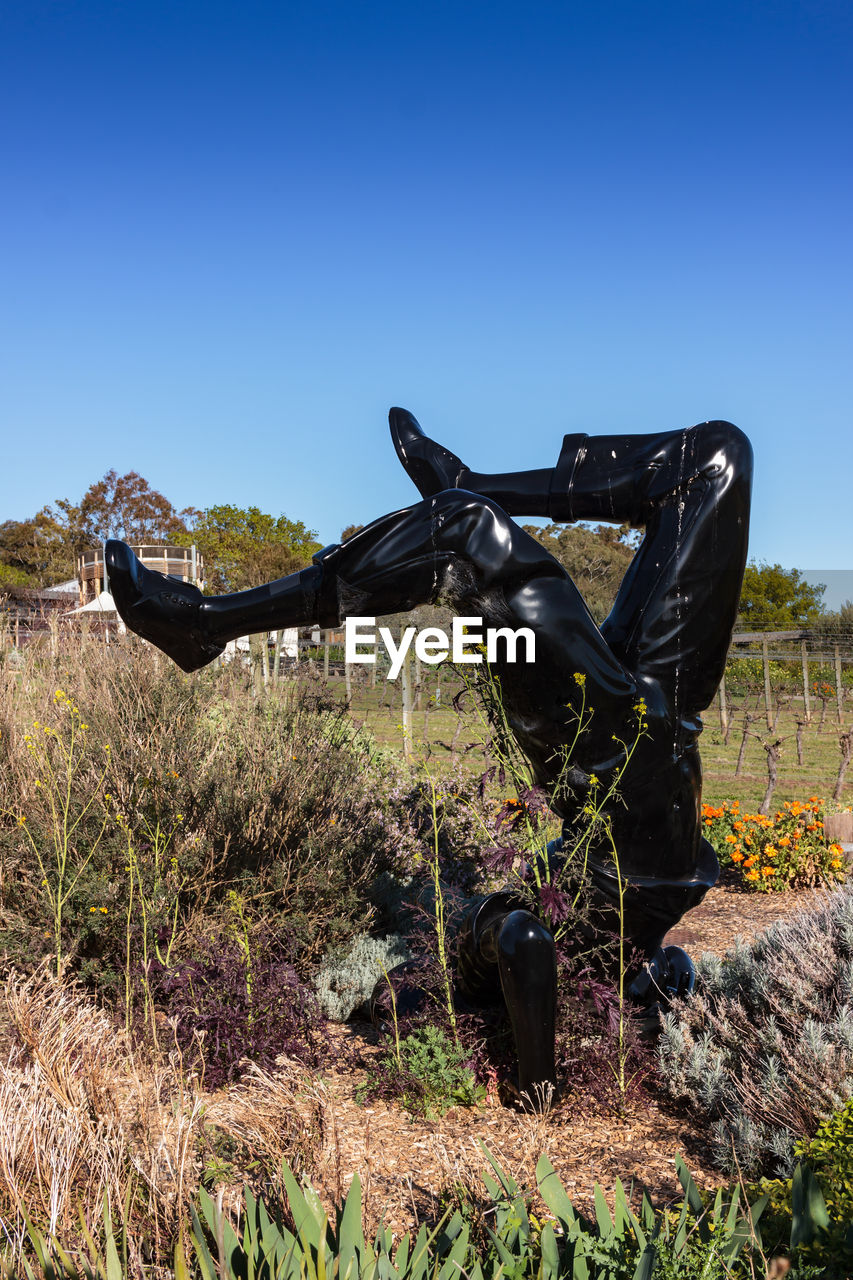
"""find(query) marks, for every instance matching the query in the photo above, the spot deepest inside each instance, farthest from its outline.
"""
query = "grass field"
(439, 726)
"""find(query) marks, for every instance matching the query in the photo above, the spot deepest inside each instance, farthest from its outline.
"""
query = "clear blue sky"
(235, 233)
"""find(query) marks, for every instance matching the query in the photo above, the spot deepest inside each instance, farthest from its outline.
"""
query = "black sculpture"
(665, 643)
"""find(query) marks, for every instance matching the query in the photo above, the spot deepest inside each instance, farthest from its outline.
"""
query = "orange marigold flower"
(737, 857)
(768, 871)
(751, 875)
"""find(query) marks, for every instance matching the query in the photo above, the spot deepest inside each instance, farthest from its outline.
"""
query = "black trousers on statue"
(665, 641)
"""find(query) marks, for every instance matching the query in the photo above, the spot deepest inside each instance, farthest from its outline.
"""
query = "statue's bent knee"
(524, 945)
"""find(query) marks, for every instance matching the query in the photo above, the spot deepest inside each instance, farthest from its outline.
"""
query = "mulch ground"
(404, 1164)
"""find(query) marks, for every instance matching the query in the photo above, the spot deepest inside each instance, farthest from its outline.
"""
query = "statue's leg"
(456, 545)
(504, 950)
(617, 478)
(671, 625)
(673, 617)
(527, 963)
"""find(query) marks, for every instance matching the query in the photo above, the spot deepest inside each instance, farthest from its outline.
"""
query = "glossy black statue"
(665, 641)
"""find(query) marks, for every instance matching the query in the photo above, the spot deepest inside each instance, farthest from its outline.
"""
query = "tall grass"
(140, 804)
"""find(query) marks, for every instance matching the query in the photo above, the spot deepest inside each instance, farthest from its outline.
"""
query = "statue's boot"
(428, 464)
(433, 468)
(611, 477)
(191, 628)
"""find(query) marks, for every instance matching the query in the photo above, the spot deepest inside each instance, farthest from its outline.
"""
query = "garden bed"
(406, 1164)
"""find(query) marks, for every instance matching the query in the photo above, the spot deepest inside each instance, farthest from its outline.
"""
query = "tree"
(595, 558)
(45, 549)
(246, 548)
(126, 507)
(36, 552)
(773, 598)
(11, 577)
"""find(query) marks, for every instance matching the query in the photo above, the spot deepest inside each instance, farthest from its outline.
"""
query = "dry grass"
(272, 1119)
(84, 1115)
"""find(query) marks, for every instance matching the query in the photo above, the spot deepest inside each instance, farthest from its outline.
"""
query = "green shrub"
(426, 1072)
(830, 1156)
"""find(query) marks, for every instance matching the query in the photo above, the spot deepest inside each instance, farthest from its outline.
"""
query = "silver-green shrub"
(344, 984)
(764, 1047)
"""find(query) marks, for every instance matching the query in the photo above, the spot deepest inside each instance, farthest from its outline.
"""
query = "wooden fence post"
(839, 693)
(418, 679)
(724, 710)
(265, 659)
(806, 697)
(326, 647)
(767, 697)
(406, 683)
